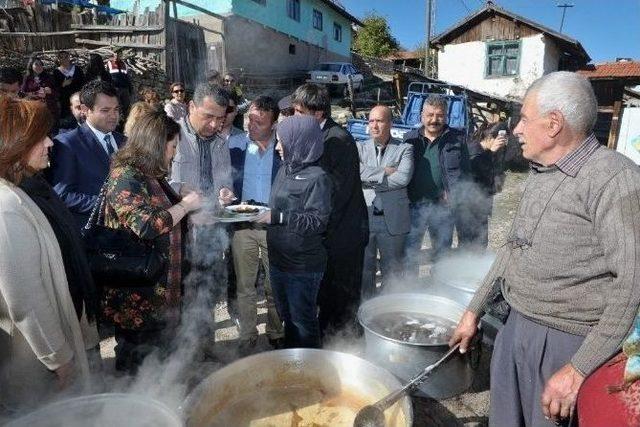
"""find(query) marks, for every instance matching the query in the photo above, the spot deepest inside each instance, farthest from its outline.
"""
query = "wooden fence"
(177, 45)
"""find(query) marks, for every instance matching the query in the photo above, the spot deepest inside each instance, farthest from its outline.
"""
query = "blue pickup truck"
(458, 114)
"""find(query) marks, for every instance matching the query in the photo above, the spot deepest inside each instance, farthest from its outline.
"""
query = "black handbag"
(117, 257)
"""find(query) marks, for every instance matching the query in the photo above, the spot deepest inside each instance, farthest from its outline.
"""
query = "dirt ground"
(468, 409)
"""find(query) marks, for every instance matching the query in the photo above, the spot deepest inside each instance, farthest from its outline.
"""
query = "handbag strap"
(98, 208)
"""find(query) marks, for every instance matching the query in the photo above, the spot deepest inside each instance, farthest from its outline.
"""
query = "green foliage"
(374, 39)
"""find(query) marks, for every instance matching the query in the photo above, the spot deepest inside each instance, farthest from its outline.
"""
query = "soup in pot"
(415, 328)
(297, 406)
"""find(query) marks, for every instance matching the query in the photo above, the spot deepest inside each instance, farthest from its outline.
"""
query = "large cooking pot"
(405, 358)
(286, 382)
(459, 275)
(108, 409)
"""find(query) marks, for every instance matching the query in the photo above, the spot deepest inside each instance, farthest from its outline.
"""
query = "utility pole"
(564, 7)
(427, 46)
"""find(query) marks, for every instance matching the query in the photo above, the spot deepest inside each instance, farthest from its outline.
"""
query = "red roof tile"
(610, 70)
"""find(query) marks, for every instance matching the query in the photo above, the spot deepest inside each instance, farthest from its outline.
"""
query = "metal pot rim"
(296, 353)
(365, 305)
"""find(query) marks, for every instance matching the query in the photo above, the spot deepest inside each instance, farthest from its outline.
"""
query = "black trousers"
(339, 296)
(133, 346)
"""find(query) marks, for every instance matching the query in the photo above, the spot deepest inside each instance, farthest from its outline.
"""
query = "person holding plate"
(255, 165)
(300, 205)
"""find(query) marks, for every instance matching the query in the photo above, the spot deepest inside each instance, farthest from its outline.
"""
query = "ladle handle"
(416, 381)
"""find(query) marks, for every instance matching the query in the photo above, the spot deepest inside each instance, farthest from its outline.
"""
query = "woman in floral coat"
(139, 199)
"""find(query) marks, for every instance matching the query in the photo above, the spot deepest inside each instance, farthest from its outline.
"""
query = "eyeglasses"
(178, 91)
(229, 80)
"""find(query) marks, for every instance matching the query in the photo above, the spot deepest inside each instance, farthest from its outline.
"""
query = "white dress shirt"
(100, 136)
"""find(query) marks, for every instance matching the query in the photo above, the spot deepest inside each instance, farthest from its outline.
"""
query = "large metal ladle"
(373, 415)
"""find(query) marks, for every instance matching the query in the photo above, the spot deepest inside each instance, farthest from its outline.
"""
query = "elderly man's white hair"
(569, 93)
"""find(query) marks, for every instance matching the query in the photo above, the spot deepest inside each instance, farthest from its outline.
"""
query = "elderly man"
(441, 163)
(347, 231)
(570, 267)
(386, 165)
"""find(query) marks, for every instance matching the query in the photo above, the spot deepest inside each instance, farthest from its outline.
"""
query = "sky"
(607, 29)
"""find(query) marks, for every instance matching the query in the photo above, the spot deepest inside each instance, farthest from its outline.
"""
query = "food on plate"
(245, 209)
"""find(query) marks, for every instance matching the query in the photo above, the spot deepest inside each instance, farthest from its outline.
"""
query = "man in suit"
(255, 165)
(386, 166)
(348, 229)
(77, 116)
(81, 157)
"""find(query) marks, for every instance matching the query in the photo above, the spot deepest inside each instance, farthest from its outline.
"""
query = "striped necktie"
(107, 141)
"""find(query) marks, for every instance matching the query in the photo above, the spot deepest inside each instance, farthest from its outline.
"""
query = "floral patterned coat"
(132, 203)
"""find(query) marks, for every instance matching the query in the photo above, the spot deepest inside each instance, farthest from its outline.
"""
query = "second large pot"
(406, 359)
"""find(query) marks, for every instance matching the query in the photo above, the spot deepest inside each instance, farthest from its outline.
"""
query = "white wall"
(464, 64)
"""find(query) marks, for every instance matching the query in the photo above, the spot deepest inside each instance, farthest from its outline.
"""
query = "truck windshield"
(335, 68)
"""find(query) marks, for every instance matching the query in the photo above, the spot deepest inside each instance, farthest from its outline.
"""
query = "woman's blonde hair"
(136, 110)
(147, 143)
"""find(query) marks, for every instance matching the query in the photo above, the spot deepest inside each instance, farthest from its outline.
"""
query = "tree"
(374, 39)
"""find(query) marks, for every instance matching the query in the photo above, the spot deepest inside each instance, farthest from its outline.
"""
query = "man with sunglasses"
(176, 108)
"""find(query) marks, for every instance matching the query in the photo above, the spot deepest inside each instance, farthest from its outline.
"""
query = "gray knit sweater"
(572, 259)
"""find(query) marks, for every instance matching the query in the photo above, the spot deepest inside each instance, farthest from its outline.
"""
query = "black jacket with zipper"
(300, 208)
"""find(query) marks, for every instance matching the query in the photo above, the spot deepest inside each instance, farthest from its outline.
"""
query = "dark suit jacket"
(349, 222)
(79, 167)
(237, 163)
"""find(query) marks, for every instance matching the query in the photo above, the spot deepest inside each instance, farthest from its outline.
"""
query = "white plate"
(229, 214)
(234, 209)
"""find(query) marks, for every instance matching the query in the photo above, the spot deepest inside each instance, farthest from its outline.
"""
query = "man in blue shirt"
(255, 165)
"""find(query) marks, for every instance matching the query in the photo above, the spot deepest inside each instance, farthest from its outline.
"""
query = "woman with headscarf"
(300, 207)
(45, 285)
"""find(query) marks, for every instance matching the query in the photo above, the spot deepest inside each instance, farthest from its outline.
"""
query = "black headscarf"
(301, 140)
(76, 266)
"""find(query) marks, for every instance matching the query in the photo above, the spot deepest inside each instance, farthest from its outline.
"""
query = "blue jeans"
(296, 297)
